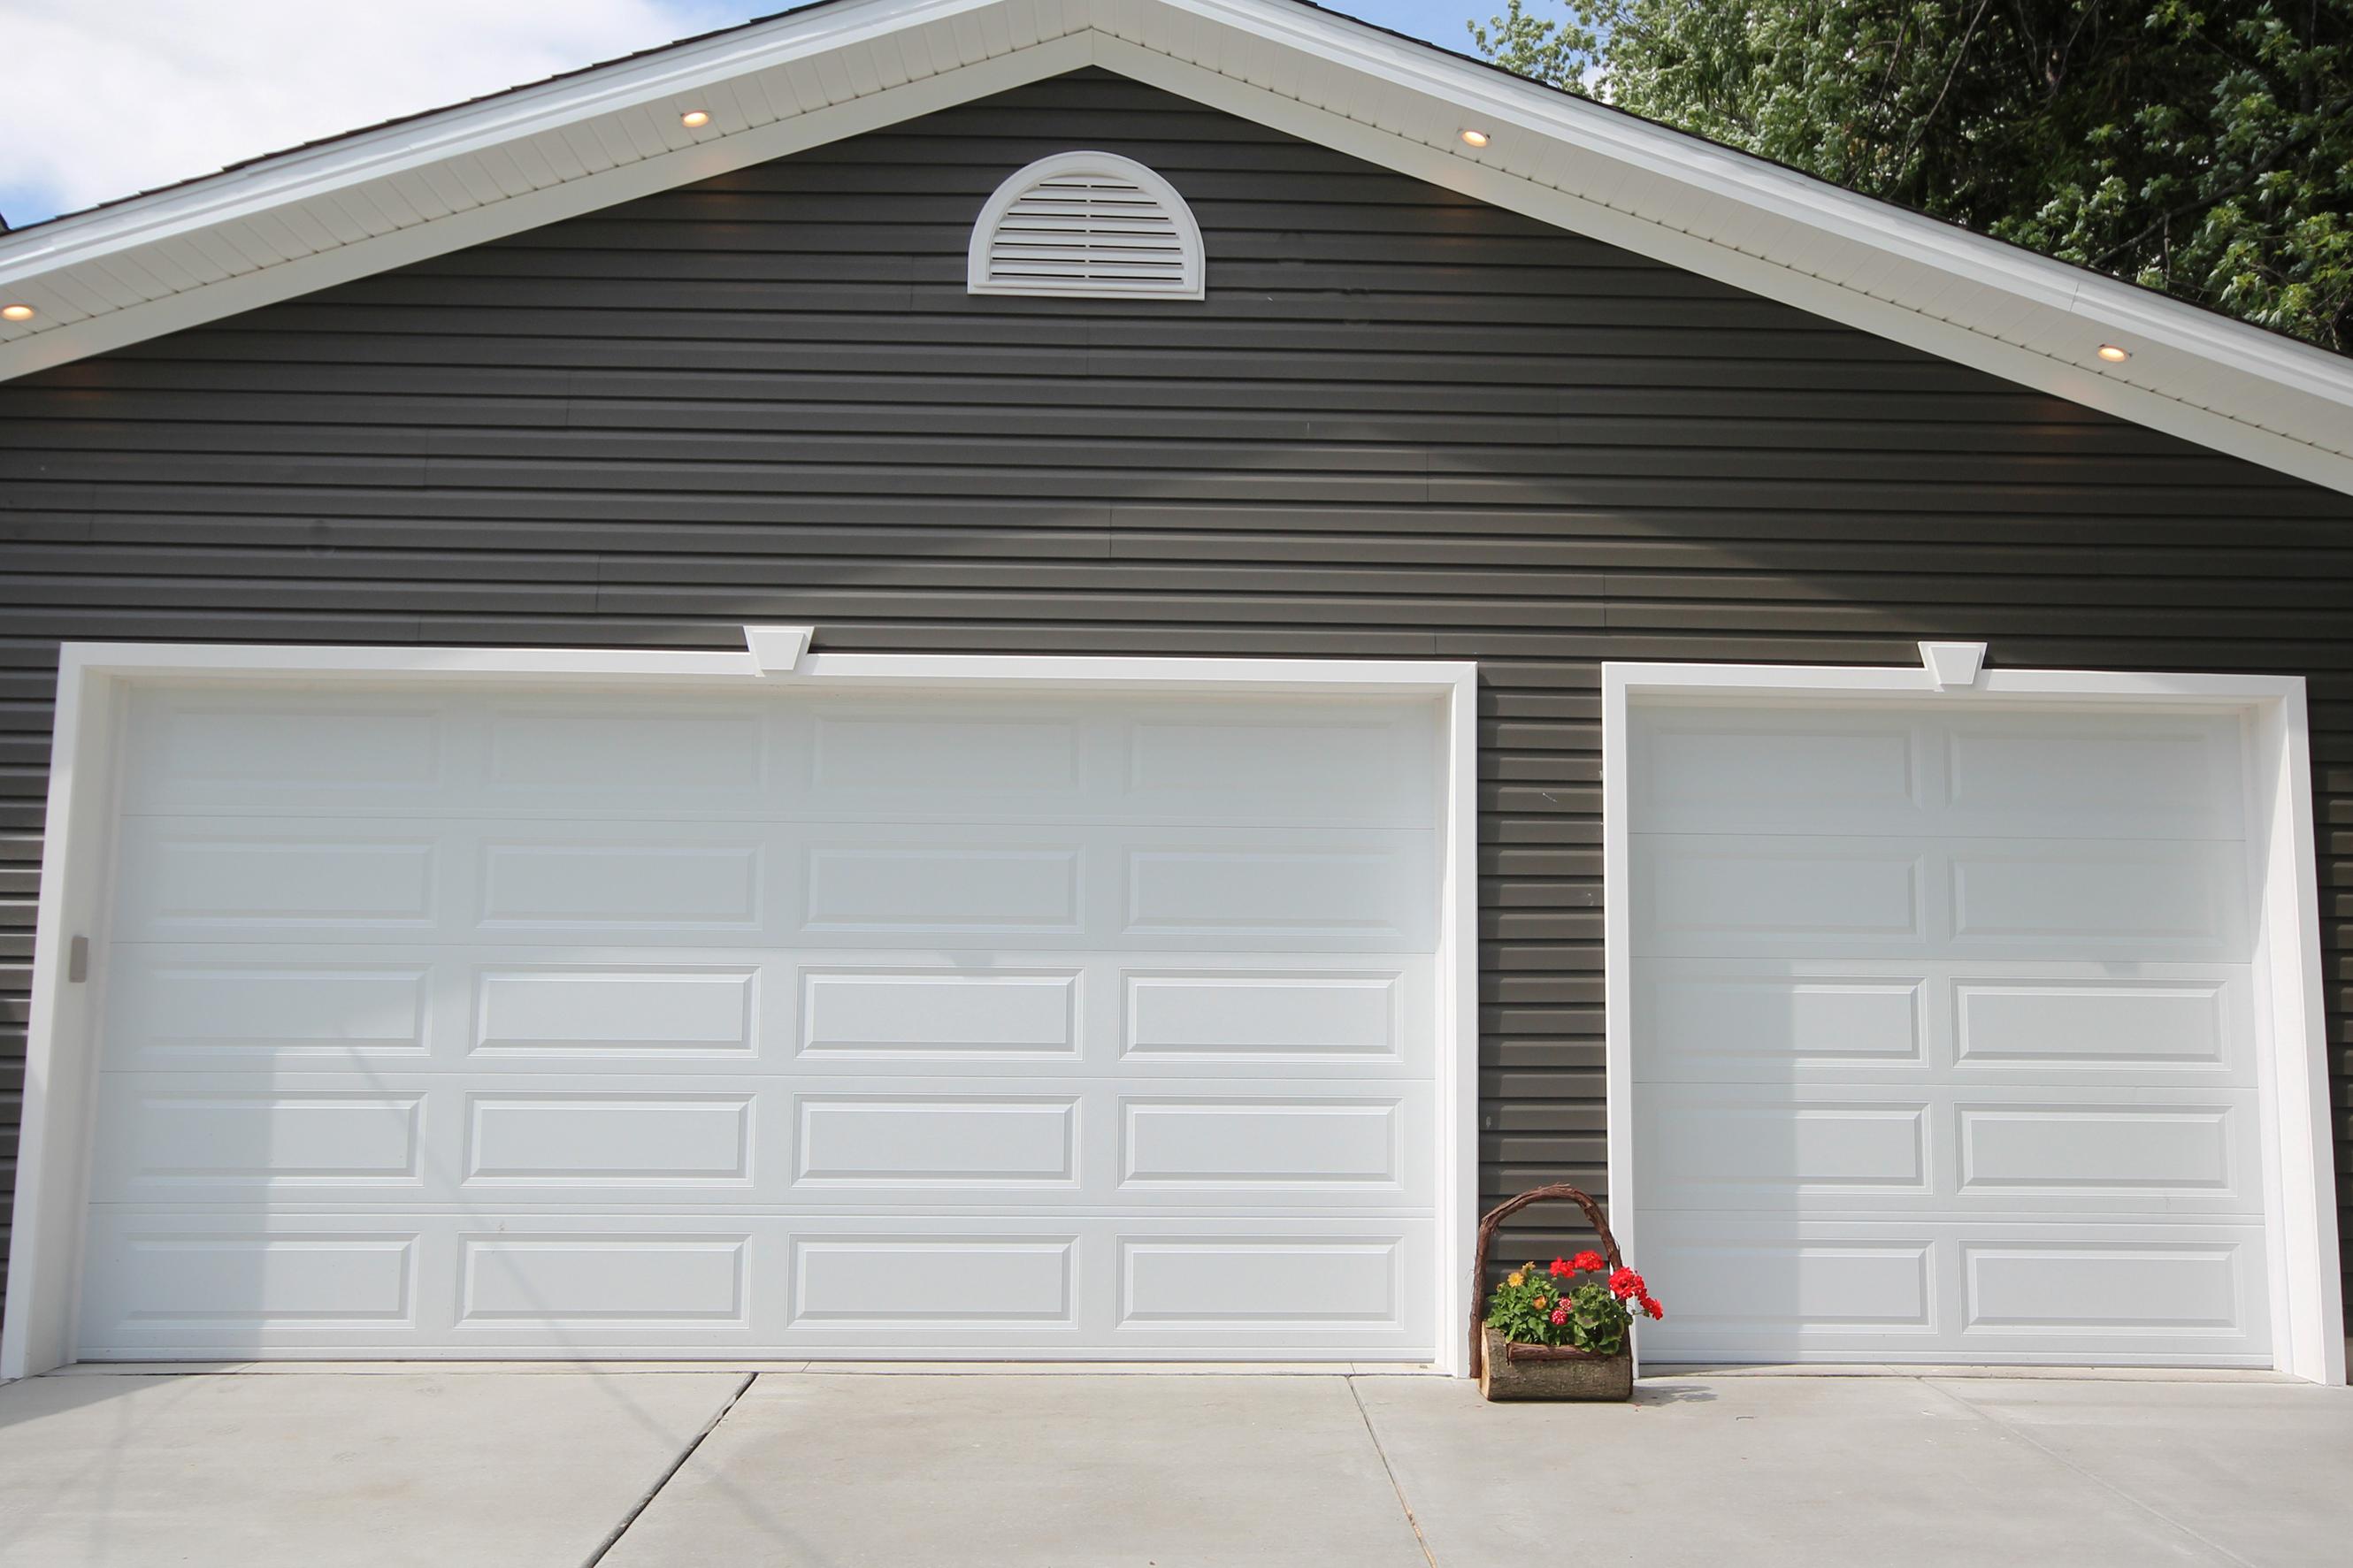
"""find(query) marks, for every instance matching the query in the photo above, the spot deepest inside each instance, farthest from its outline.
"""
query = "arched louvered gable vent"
(1087, 226)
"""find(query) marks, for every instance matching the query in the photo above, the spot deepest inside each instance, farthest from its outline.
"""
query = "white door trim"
(2306, 1293)
(53, 1174)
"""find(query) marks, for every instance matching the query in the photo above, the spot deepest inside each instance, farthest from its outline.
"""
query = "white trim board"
(2305, 1281)
(309, 218)
(94, 680)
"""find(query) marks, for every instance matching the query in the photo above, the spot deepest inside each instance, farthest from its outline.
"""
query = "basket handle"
(1493, 1222)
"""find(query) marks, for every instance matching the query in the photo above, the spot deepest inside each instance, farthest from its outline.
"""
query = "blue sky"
(101, 99)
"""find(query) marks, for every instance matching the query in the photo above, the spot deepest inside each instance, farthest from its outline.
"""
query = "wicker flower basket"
(1509, 1370)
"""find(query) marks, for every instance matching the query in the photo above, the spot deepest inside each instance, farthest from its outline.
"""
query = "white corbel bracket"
(1953, 665)
(777, 649)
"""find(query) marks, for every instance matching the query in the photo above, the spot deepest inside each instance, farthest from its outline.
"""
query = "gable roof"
(327, 212)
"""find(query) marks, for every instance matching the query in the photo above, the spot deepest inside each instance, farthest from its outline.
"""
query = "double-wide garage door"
(1944, 1035)
(600, 1024)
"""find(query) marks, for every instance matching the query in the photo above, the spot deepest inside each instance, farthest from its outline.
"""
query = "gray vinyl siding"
(1403, 424)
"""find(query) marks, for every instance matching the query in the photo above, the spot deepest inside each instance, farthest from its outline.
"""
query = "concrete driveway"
(843, 1468)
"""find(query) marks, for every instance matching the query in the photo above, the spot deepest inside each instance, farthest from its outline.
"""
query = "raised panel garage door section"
(1944, 1035)
(572, 1024)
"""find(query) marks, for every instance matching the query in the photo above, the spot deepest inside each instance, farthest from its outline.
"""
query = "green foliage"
(2201, 147)
(1523, 1307)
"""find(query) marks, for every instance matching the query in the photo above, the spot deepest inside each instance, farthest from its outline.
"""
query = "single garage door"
(513, 1022)
(1944, 1035)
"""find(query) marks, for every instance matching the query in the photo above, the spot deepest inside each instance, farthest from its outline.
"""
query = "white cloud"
(101, 99)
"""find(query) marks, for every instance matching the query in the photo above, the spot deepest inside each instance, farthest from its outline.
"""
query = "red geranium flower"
(1626, 1285)
(1558, 1268)
(1587, 1262)
(1650, 1305)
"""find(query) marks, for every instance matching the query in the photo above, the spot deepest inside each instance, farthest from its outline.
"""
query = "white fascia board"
(2190, 368)
(1320, 75)
(550, 204)
(434, 138)
(2192, 416)
(1880, 227)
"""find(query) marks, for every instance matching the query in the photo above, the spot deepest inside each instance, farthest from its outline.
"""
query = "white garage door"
(600, 1024)
(1944, 1035)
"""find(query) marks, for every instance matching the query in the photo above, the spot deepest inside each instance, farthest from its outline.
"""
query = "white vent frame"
(1191, 277)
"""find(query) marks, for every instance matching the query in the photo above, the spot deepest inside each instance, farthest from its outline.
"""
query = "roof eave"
(323, 214)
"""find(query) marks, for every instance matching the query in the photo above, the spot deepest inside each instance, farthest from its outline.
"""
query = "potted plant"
(1561, 1332)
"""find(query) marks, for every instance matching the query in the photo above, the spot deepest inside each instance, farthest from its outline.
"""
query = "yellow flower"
(1516, 1280)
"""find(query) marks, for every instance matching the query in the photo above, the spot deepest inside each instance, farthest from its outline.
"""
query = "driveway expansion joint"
(685, 1453)
(1390, 1470)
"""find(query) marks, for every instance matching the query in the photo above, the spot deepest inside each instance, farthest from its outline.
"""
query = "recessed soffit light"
(695, 119)
(17, 313)
(1474, 138)
(2112, 355)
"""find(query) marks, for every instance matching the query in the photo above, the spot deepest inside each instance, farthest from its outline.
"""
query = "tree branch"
(1871, 114)
(1959, 54)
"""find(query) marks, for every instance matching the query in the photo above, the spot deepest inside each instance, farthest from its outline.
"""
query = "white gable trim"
(2001, 342)
(375, 178)
(307, 219)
